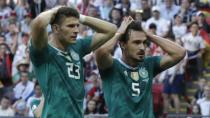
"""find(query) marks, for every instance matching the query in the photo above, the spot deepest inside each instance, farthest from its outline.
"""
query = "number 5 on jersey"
(135, 89)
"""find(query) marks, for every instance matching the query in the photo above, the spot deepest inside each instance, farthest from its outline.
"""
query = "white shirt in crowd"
(6, 112)
(204, 106)
(162, 25)
(179, 31)
(192, 43)
(23, 91)
(168, 14)
(28, 104)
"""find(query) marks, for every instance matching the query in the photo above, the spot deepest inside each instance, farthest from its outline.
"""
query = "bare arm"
(175, 51)
(104, 30)
(103, 54)
(39, 26)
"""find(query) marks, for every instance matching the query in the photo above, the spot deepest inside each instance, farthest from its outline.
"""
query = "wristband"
(82, 18)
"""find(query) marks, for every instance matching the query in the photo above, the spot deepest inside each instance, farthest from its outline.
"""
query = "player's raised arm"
(39, 26)
(103, 54)
(174, 50)
(104, 30)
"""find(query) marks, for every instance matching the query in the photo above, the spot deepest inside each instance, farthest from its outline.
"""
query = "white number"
(73, 71)
(135, 89)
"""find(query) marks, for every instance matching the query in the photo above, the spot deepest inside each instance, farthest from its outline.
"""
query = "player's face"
(136, 45)
(68, 30)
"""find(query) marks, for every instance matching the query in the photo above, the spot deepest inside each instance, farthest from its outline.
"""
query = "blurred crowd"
(186, 22)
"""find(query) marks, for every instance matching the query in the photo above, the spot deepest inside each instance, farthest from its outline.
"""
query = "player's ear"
(55, 28)
(122, 45)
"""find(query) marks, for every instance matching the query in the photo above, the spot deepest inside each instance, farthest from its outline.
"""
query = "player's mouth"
(141, 53)
(73, 37)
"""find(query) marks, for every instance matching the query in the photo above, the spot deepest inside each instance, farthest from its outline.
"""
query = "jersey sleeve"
(84, 45)
(38, 56)
(155, 61)
(106, 73)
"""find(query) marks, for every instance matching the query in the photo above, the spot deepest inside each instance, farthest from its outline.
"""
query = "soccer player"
(127, 81)
(58, 64)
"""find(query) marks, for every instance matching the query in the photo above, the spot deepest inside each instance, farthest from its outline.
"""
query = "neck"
(56, 43)
(194, 34)
(178, 24)
(129, 61)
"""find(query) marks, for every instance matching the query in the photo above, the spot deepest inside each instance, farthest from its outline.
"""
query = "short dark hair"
(153, 26)
(5, 97)
(135, 25)
(36, 84)
(64, 12)
(192, 23)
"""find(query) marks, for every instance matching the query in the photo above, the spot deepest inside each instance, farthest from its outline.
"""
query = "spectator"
(36, 97)
(21, 9)
(202, 22)
(5, 109)
(173, 86)
(168, 10)
(204, 103)
(162, 24)
(20, 108)
(25, 23)
(4, 13)
(194, 44)
(13, 36)
(95, 91)
(179, 29)
(146, 10)
(20, 53)
(24, 89)
(186, 11)
(6, 57)
(36, 7)
(116, 15)
(22, 66)
(199, 94)
(196, 110)
(105, 9)
(126, 7)
(83, 6)
(91, 107)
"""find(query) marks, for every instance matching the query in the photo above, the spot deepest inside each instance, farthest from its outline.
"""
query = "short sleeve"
(157, 68)
(154, 62)
(202, 45)
(106, 73)
(84, 45)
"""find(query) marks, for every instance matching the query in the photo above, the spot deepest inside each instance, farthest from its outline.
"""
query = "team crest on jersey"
(125, 73)
(135, 76)
(143, 72)
(74, 55)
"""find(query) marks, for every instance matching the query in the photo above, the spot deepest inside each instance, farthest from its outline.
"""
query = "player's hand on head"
(125, 23)
(55, 10)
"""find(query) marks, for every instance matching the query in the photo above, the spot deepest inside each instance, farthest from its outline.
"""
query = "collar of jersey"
(58, 49)
(127, 66)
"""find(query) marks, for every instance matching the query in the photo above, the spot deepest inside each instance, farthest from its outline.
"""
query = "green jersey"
(60, 75)
(127, 90)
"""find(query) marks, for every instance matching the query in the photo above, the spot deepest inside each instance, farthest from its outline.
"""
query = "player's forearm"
(174, 50)
(108, 47)
(43, 19)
